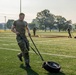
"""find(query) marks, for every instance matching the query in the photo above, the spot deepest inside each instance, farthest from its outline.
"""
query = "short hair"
(21, 14)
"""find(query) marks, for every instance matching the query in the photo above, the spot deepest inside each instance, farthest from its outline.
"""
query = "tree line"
(48, 21)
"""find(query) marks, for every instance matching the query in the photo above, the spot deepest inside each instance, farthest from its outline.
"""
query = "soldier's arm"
(13, 29)
(28, 30)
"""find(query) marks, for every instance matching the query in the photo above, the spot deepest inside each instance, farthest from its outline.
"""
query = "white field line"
(66, 56)
(9, 44)
(13, 41)
(40, 42)
(8, 33)
(7, 37)
(5, 44)
(29, 40)
(7, 41)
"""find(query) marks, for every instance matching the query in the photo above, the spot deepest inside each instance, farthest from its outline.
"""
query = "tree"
(60, 21)
(9, 23)
(31, 25)
(74, 26)
(45, 18)
(70, 25)
(2, 25)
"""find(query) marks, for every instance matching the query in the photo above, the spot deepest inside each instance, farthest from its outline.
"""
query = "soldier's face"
(21, 17)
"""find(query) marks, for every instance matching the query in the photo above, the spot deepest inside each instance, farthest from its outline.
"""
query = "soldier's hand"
(17, 33)
(29, 34)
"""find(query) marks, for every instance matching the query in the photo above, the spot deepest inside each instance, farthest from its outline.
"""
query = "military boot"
(20, 56)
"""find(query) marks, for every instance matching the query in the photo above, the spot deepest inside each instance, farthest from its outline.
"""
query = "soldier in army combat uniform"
(19, 28)
(34, 31)
(69, 32)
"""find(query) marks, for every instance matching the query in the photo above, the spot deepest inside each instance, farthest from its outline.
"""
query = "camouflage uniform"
(69, 32)
(34, 31)
(24, 45)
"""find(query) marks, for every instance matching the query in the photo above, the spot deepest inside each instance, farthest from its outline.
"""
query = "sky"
(11, 8)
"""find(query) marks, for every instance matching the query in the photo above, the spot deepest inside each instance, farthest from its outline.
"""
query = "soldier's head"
(21, 16)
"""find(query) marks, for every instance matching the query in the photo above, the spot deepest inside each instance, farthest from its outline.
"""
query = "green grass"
(10, 65)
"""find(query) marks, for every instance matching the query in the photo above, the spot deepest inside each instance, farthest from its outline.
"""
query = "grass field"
(60, 50)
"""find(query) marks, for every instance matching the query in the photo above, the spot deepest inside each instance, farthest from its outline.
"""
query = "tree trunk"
(45, 28)
(59, 29)
(50, 29)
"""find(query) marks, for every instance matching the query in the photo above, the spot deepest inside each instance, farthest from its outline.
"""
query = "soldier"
(34, 31)
(19, 28)
(69, 32)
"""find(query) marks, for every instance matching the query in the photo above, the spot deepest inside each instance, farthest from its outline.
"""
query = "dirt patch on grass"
(51, 36)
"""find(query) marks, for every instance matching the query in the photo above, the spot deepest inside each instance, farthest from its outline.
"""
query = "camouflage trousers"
(24, 47)
(70, 36)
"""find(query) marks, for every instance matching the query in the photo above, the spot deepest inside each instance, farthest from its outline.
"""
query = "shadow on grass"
(61, 73)
(29, 71)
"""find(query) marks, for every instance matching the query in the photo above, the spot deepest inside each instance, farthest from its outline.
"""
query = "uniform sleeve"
(14, 24)
(26, 24)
